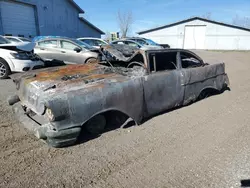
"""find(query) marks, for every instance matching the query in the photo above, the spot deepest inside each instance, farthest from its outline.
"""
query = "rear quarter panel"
(198, 79)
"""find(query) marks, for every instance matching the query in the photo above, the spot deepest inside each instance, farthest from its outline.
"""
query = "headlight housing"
(50, 114)
(19, 55)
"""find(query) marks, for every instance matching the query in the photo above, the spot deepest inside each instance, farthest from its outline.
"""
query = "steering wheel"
(173, 64)
(132, 64)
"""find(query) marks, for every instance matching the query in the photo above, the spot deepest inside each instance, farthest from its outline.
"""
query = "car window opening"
(162, 61)
(189, 61)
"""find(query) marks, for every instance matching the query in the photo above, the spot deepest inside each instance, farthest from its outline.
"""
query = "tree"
(125, 21)
(241, 21)
(107, 36)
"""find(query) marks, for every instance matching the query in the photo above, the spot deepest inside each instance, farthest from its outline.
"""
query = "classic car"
(56, 103)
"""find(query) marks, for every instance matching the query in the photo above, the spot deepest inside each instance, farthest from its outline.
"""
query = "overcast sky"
(152, 13)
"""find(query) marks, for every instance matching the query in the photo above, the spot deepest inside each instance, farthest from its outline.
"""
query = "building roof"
(76, 6)
(91, 25)
(191, 19)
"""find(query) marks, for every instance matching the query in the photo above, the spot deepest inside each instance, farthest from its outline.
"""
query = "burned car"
(56, 103)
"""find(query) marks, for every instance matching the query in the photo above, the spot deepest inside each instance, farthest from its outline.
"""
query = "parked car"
(94, 42)
(68, 50)
(14, 39)
(135, 44)
(145, 41)
(58, 102)
(17, 58)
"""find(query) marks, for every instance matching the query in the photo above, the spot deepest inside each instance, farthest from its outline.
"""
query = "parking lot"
(205, 144)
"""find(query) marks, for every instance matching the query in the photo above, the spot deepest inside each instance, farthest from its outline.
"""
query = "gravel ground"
(205, 144)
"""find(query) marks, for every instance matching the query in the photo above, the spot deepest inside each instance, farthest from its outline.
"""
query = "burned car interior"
(159, 60)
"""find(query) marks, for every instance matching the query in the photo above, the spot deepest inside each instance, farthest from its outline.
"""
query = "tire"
(96, 125)
(91, 60)
(4, 69)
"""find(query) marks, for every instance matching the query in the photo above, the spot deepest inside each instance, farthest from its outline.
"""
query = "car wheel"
(91, 60)
(4, 69)
(96, 125)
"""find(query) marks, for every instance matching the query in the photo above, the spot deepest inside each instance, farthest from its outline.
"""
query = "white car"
(14, 39)
(17, 58)
(94, 42)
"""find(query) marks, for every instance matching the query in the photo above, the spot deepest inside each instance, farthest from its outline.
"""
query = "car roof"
(125, 40)
(89, 38)
(40, 38)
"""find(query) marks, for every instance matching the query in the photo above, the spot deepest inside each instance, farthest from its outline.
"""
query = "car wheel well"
(91, 60)
(207, 92)
(114, 119)
(7, 67)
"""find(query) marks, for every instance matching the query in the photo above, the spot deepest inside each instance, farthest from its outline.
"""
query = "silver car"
(70, 51)
(136, 44)
(95, 42)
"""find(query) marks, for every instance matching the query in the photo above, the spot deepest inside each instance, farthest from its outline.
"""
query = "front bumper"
(45, 131)
(25, 65)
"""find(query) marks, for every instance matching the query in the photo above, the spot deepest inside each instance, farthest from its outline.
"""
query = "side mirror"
(78, 49)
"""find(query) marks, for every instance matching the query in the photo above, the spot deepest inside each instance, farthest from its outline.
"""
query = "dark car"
(56, 103)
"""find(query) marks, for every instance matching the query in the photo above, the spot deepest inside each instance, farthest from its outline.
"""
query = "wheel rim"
(2, 70)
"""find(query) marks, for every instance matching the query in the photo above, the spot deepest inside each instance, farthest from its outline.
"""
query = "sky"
(148, 14)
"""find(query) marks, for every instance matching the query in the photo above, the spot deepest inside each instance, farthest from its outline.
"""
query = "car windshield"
(4, 41)
(25, 40)
(150, 42)
(140, 41)
(82, 44)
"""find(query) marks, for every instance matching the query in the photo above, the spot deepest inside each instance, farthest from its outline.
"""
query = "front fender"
(76, 107)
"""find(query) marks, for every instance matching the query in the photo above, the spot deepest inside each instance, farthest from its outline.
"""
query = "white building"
(200, 33)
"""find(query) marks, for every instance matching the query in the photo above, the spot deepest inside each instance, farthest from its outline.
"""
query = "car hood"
(27, 47)
(65, 78)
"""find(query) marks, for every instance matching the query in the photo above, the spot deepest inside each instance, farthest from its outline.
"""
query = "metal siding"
(59, 17)
(218, 37)
(18, 19)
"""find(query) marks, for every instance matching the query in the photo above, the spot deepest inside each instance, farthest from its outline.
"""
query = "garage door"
(194, 37)
(18, 18)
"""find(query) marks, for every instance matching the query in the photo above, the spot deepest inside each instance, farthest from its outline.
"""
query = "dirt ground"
(206, 144)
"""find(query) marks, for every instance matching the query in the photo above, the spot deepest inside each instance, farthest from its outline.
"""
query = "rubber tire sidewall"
(8, 71)
(91, 60)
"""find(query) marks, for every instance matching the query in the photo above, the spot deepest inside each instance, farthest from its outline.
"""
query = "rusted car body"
(55, 103)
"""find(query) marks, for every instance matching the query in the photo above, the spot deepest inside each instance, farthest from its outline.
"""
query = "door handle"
(42, 49)
(63, 51)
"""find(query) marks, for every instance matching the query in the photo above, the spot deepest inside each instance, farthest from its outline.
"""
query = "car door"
(47, 49)
(163, 88)
(197, 76)
(69, 54)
